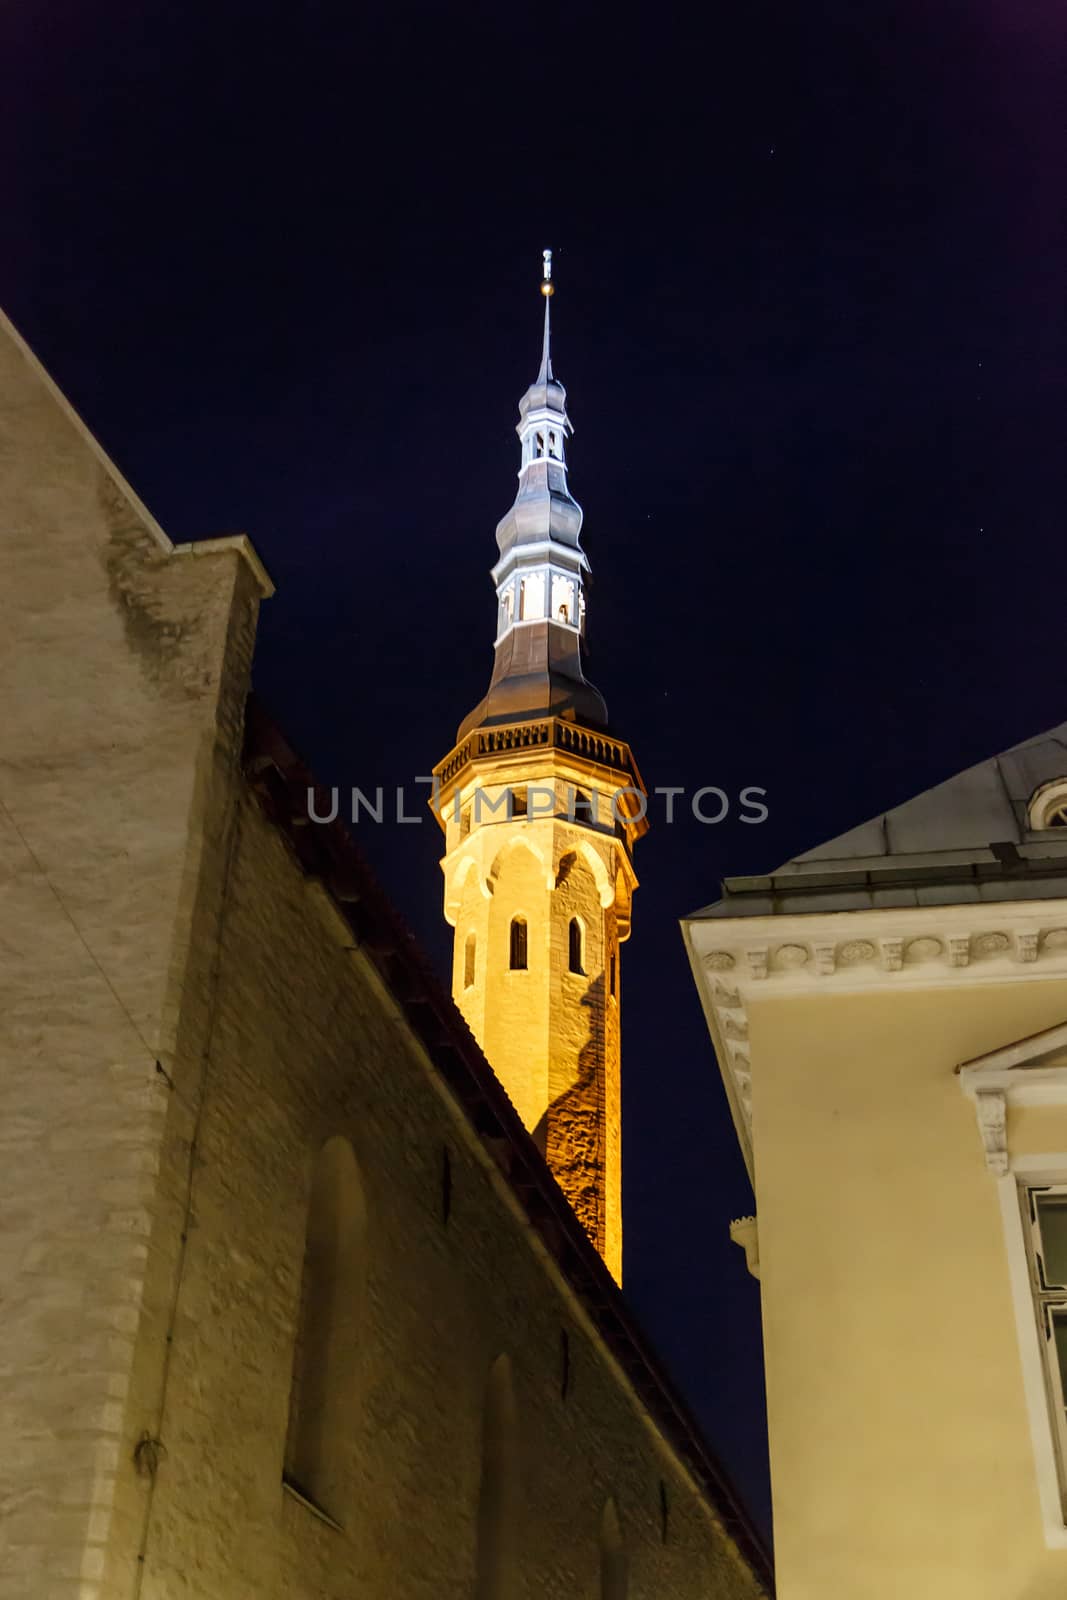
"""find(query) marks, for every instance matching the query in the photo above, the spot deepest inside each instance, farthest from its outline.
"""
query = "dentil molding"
(736, 959)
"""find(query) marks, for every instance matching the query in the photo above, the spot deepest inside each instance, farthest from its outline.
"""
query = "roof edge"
(282, 785)
(72, 416)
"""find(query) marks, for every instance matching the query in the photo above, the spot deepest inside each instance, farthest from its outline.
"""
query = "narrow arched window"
(498, 1496)
(323, 1393)
(614, 1576)
(469, 951)
(518, 944)
(575, 946)
(612, 975)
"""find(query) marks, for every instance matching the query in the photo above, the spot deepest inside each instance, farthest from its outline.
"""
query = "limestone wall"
(183, 1023)
(306, 1045)
(122, 678)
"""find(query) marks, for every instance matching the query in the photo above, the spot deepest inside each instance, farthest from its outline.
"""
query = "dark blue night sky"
(810, 316)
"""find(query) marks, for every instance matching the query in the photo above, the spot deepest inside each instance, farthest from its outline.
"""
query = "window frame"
(1047, 807)
(1047, 1299)
(518, 943)
(1042, 1389)
(576, 947)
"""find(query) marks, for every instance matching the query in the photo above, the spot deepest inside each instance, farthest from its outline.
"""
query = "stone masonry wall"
(183, 1023)
(305, 1045)
(122, 671)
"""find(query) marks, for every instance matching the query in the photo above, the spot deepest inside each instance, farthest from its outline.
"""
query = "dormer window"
(1048, 807)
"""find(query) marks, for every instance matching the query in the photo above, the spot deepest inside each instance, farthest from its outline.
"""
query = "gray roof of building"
(966, 839)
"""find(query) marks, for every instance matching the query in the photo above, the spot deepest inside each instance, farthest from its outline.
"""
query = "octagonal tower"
(541, 807)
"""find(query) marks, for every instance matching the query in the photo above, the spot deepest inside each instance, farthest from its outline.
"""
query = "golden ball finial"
(547, 287)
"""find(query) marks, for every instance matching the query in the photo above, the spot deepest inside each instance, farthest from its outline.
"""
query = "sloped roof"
(965, 839)
(327, 853)
(983, 805)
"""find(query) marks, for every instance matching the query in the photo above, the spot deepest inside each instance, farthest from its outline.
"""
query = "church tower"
(541, 807)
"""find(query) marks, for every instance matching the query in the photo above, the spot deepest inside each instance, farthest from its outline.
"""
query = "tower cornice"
(588, 753)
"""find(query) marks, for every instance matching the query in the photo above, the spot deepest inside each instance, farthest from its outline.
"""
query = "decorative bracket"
(1022, 1074)
(744, 1231)
(991, 1109)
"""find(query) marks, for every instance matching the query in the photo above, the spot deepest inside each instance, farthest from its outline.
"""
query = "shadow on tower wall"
(572, 1133)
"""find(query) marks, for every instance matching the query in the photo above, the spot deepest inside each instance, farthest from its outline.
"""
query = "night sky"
(810, 265)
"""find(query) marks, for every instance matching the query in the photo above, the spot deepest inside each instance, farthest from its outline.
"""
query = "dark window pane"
(1059, 1339)
(1052, 1222)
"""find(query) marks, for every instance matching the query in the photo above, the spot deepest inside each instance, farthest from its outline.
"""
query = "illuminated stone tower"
(541, 808)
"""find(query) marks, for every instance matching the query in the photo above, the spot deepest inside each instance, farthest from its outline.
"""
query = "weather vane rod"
(547, 286)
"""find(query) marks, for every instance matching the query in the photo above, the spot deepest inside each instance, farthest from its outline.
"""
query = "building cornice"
(736, 960)
(244, 548)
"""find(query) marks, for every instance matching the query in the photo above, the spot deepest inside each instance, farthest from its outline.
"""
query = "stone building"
(292, 1304)
(888, 1013)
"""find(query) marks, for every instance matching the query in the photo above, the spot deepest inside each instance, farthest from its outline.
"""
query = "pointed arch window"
(518, 950)
(576, 945)
(470, 951)
(498, 1496)
(614, 1570)
(323, 1394)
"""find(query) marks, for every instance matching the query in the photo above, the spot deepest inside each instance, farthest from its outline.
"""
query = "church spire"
(541, 807)
(540, 575)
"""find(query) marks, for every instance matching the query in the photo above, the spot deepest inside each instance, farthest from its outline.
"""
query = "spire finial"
(547, 286)
(548, 289)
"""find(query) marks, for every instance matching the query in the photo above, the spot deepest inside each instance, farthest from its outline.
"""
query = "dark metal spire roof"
(538, 666)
